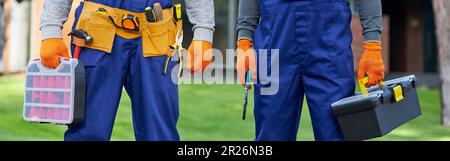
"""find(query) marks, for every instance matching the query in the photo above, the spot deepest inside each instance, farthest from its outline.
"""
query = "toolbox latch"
(398, 93)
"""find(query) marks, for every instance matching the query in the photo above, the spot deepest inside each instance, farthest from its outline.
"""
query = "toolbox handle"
(45, 69)
(363, 88)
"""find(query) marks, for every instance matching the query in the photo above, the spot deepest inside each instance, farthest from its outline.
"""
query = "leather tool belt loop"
(157, 37)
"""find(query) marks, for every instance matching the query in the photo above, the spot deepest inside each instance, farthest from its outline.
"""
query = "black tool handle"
(150, 14)
(244, 112)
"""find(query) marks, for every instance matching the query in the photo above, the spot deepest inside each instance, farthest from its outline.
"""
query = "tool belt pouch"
(157, 37)
(98, 26)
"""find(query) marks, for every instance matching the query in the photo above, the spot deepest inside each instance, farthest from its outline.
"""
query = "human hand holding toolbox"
(383, 107)
(57, 94)
(376, 111)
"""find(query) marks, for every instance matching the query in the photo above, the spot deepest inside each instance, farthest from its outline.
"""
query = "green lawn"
(207, 112)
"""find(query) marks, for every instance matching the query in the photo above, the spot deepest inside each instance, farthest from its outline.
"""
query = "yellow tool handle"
(362, 85)
(177, 12)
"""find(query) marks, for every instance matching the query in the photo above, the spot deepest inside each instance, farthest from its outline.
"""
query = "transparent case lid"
(49, 93)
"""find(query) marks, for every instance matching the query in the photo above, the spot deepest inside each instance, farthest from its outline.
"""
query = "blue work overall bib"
(154, 97)
(315, 56)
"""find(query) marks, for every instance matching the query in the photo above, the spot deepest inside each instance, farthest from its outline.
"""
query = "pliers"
(177, 47)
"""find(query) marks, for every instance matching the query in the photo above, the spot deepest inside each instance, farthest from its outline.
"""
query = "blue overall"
(314, 41)
(154, 97)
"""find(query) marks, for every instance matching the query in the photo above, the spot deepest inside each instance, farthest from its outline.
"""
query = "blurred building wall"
(409, 40)
(35, 41)
(17, 29)
(2, 32)
(412, 36)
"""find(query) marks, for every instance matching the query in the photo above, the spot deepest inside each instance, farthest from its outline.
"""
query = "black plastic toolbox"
(381, 111)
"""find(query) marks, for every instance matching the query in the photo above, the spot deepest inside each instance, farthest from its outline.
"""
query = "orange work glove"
(246, 60)
(51, 50)
(199, 55)
(371, 63)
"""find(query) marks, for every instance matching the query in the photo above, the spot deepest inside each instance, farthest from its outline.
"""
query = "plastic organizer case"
(55, 95)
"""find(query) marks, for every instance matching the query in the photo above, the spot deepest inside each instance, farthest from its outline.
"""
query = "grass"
(203, 116)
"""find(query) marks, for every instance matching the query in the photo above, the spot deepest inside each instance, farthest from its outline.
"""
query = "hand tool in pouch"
(158, 10)
(150, 15)
(177, 11)
(178, 45)
(80, 38)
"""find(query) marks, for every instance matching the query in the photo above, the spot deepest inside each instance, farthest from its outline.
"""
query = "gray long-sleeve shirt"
(370, 13)
(200, 13)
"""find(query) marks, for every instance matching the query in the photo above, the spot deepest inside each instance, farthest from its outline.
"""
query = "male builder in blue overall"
(129, 50)
(315, 56)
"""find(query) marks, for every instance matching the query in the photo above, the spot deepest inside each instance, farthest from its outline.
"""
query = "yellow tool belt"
(156, 36)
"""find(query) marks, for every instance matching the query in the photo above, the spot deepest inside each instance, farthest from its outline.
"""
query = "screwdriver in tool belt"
(150, 14)
(247, 86)
(157, 8)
